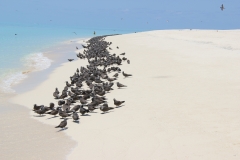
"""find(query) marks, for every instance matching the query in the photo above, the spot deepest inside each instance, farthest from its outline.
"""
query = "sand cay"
(182, 102)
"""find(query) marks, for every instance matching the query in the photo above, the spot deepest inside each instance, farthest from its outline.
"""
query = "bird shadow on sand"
(62, 129)
(107, 112)
(52, 117)
(119, 106)
(121, 88)
(86, 115)
(104, 112)
(39, 116)
(76, 122)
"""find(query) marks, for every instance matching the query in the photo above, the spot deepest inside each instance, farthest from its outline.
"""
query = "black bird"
(51, 107)
(68, 84)
(222, 7)
(36, 107)
(61, 102)
(83, 110)
(124, 58)
(75, 108)
(120, 85)
(105, 108)
(75, 116)
(82, 100)
(53, 112)
(115, 75)
(91, 107)
(63, 124)
(63, 114)
(125, 74)
(111, 79)
(117, 47)
(118, 103)
(41, 111)
(128, 61)
(70, 60)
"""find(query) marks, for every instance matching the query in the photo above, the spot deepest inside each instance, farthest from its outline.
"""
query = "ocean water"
(21, 49)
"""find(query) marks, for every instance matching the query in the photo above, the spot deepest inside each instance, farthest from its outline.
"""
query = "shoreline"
(184, 112)
(21, 114)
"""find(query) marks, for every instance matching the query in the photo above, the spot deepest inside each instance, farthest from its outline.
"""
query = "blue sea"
(21, 49)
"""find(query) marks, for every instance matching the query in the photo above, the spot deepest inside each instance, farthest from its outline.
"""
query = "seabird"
(115, 75)
(63, 114)
(122, 53)
(222, 7)
(105, 108)
(128, 61)
(63, 124)
(118, 103)
(36, 107)
(54, 112)
(75, 108)
(70, 60)
(75, 116)
(120, 85)
(83, 110)
(125, 74)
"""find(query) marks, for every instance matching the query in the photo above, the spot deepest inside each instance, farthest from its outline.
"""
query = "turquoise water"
(21, 49)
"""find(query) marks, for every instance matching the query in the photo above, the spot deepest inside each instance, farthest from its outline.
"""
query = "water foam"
(36, 62)
(32, 62)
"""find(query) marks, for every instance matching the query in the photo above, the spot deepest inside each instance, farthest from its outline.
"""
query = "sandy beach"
(182, 102)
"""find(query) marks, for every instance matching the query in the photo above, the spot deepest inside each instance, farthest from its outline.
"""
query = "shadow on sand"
(39, 116)
(62, 129)
(52, 117)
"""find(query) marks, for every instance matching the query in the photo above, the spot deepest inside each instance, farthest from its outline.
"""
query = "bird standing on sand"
(118, 103)
(75, 116)
(54, 112)
(115, 75)
(120, 85)
(75, 108)
(36, 107)
(63, 124)
(70, 60)
(105, 108)
(125, 74)
(63, 114)
(83, 110)
(128, 61)
(41, 111)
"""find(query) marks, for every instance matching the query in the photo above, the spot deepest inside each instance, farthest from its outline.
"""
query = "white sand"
(183, 101)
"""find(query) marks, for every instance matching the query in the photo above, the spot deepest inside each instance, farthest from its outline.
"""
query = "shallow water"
(23, 50)
(28, 138)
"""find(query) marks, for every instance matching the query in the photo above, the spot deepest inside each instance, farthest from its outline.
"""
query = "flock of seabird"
(75, 98)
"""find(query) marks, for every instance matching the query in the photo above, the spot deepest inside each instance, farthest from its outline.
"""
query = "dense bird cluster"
(88, 85)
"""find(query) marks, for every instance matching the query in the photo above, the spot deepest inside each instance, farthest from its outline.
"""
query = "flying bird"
(75, 33)
(222, 7)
